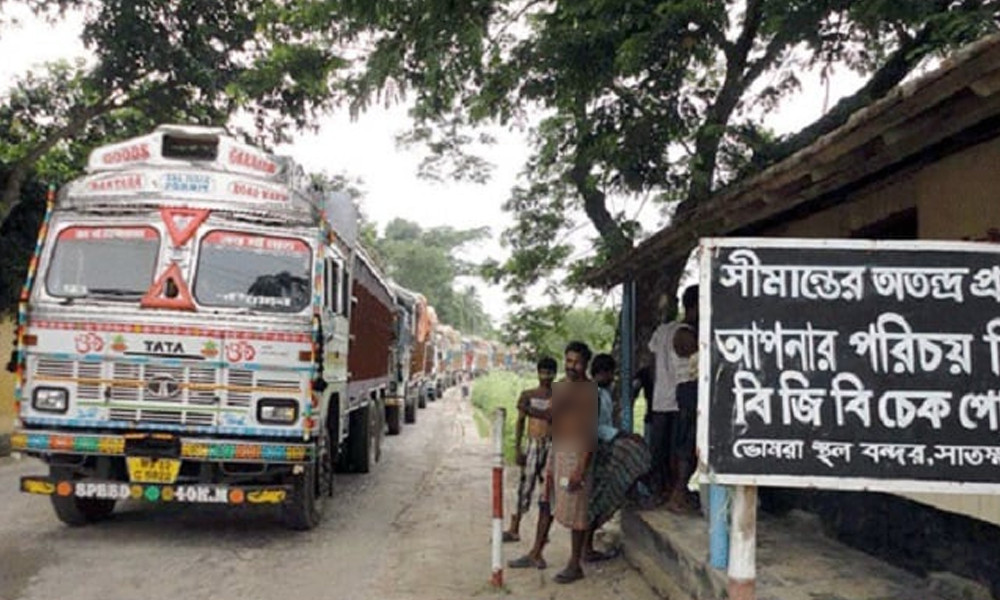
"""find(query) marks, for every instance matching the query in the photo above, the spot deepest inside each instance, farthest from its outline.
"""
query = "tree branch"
(19, 171)
(709, 135)
(594, 205)
(899, 65)
(738, 52)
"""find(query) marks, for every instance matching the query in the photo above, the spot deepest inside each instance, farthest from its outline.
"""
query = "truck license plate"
(152, 470)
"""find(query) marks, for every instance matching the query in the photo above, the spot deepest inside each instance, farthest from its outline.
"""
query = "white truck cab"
(184, 332)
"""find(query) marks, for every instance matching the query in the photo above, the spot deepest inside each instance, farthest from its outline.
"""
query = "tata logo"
(162, 387)
(164, 347)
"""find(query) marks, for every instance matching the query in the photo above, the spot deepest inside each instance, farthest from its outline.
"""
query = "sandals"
(566, 576)
(597, 556)
(526, 562)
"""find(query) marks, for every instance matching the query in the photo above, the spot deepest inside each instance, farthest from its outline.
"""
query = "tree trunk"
(19, 172)
(709, 135)
(596, 209)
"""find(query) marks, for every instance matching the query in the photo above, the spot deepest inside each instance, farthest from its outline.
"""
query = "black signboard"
(851, 364)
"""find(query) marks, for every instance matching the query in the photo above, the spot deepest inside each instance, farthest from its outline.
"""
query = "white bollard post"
(743, 545)
(499, 419)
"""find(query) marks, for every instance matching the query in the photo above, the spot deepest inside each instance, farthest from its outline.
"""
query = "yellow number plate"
(152, 470)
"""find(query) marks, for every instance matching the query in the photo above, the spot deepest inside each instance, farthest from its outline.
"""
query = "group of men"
(583, 465)
(670, 386)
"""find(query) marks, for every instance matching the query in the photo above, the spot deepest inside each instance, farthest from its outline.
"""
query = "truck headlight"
(53, 400)
(277, 411)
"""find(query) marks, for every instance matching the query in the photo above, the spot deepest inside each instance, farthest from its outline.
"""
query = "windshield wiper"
(112, 293)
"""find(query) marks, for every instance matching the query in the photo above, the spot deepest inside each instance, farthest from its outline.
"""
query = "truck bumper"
(43, 442)
(198, 493)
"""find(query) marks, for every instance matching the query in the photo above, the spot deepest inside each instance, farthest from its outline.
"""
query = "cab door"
(335, 337)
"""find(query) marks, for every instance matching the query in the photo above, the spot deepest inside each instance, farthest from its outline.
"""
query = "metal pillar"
(627, 350)
(718, 526)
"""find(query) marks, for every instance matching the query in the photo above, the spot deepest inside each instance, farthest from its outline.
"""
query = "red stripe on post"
(498, 492)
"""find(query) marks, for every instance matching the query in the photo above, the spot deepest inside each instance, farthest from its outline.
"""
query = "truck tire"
(393, 419)
(410, 412)
(359, 440)
(303, 510)
(74, 511)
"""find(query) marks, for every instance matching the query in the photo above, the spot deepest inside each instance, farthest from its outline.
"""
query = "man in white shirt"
(682, 438)
(671, 345)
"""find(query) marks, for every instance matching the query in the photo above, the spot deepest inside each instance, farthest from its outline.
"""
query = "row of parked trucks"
(201, 325)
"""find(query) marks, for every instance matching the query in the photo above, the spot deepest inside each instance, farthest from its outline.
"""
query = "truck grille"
(133, 398)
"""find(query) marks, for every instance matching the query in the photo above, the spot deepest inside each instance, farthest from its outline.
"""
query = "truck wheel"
(74, 511)
(304, 509)
(410, 412)
(359, 442)
(393, 419)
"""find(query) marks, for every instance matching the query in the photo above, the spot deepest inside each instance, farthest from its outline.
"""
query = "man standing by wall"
(684, 347)
(671, 367)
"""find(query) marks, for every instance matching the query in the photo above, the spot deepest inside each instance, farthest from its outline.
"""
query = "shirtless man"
(533, 453)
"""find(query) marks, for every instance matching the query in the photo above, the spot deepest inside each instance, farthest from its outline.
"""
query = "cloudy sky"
(366, 148)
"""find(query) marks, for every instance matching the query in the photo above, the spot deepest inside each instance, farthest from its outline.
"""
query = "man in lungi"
(532, 453)
(574, 436)
(569, 503)
(621, 459)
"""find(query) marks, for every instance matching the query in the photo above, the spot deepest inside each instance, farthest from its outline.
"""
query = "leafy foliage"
(545, 331)
(428, 261)
(630, 98)
(191, 61)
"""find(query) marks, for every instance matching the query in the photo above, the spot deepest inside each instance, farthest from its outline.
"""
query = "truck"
(482, 352)
(403, 392)
(199, 325)
(451, 350)
(433, 383)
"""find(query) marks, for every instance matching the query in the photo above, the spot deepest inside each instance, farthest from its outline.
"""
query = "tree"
(194, 61)
(546, 331)
(426, 261)
(635, 97)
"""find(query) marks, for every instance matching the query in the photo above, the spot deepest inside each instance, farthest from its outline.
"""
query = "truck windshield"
(105, 262)
(240, 270)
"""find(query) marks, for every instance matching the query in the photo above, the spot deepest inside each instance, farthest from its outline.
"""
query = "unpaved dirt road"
(417, 527)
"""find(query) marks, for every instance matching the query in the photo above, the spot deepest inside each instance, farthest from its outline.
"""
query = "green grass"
(502, 389)
(499, 389)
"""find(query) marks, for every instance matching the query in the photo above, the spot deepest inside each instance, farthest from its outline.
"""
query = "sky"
(366, 148)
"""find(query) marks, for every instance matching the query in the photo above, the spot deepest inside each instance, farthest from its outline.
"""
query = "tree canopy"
(630, 98)
(545, 331)
(429, 261)
(191, 61)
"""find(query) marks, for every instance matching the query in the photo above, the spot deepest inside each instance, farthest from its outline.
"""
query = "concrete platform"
(795, 561)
